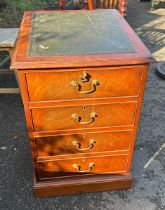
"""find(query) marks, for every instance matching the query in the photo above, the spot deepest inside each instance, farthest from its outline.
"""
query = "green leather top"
(77, 33)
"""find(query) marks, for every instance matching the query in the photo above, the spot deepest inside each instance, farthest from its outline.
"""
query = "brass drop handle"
(77, 167)
(78, 118)
(78, 87)
(78, 145)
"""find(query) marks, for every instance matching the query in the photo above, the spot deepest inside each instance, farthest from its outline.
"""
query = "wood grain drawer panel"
(61, 118)
(56, 85)
(83, 143)
(65, 167)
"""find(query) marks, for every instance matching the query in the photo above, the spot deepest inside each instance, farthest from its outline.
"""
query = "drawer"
(87, 116)
(84, 165)
(83, 143)
(84, 84)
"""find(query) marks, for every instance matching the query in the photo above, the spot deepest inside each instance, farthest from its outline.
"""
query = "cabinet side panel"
(139, 106)
(24, 94)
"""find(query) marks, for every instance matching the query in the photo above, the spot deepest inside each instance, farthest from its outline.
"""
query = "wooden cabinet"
(82, 88)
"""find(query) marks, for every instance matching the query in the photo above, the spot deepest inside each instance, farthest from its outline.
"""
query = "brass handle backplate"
(84, 77)
(78, 145)
(78, 168)
(78, 118)
(78, 87)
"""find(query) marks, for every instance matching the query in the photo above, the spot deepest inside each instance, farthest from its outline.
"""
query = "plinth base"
(75, 185)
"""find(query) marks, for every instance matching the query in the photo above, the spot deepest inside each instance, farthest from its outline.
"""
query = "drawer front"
(83, 143)
(84, 165)
(89, 116)
(84, 84)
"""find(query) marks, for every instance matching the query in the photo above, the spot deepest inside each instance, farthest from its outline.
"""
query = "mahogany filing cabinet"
(82, 77)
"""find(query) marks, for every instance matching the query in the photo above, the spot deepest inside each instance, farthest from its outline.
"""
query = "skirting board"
(81, 185)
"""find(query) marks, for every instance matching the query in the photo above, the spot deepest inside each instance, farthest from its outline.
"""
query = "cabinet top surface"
(56, 39)
(77, 33)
